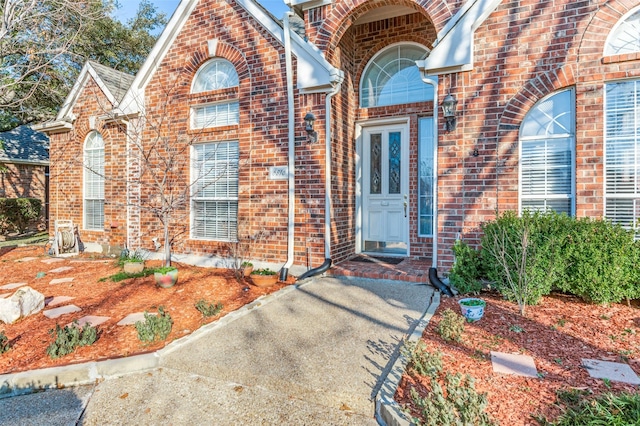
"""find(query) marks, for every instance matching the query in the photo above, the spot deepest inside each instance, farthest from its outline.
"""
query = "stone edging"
(25, 382)
(388, 412)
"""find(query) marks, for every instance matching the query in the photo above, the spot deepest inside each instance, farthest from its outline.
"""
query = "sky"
(128, 8)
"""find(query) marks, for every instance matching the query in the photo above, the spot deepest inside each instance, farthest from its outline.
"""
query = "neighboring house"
(547, 98)
(24, 158)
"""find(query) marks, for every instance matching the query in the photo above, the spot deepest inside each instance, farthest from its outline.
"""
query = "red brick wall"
(22, 181)
(67, 172)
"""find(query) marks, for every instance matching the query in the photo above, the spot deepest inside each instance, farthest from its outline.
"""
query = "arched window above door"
(392, 77)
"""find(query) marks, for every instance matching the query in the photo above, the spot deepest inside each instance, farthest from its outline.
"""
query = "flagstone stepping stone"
(61, 269)
(12, 286)
(91, 319)
(133, 318)
(51, 260)
(56, 312)
(26, 259)
(515, 364)
(61, 280)
(5, 295)
(614, 371)
(57, 300)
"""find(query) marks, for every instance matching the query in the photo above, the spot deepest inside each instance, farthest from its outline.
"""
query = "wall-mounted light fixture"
(312, 135)
(449, 104)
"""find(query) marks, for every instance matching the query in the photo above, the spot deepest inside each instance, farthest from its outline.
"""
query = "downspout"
(284, 272)
(433, 271)
(327, 187)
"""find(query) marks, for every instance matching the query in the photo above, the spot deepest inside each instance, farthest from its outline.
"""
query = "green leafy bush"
(70, 337)
(522, 255)
(451, 326)
(602, 262)
(154, 327)
(452, 400)
(420, 361)
(4, 343)
(19, 213)
(467, 270)
(208, 309)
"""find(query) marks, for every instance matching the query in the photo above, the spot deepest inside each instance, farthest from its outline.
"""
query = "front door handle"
(405, 205)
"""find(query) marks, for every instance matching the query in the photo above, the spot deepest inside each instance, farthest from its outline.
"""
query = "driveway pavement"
(315, 354)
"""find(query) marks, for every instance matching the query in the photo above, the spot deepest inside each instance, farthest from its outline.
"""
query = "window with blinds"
(622, 153)
(216, 74)
(214, 200)
(547, 150)
(93, 199)
(222, 114)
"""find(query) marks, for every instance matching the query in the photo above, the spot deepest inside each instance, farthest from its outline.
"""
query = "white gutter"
(327, 171)
(434, 83)
(291, 137)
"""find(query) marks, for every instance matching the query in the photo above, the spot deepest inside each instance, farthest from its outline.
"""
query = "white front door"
(385, 190)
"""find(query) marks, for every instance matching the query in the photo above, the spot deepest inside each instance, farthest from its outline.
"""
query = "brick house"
(544, 93)
(24, 158)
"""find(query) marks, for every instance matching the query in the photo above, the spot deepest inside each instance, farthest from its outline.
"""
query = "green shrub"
(602, 262)
(523, 254)
(451, 401)
(451, 326)
(208, 309)
(4, 343)
(420, 361)
(19, 213)
(154, 327)
(70, 337)
(467, 269)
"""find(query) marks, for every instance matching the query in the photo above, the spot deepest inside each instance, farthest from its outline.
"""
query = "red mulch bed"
(30, 336)
(557, 333)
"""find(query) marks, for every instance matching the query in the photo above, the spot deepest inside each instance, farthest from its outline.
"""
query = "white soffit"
(453, 50)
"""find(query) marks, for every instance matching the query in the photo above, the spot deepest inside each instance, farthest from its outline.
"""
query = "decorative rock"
(25, 301)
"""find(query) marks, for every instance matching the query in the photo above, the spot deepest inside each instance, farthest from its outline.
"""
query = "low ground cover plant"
(4, 343)
(70, 337)
(451, 326)
(452, 398)
(154, 327)
(208, 309)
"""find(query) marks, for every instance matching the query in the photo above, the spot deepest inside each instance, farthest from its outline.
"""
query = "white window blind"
(622, 153)
(222, 114)
(94, 182)
(547, 144)
(215, 191)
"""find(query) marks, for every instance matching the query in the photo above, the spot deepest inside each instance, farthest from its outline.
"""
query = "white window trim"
(371, 62)
(193, 108)
(607, 195)
(205, 66)
(613, 31)
(192, 180)
(85, 171)
(555, 136)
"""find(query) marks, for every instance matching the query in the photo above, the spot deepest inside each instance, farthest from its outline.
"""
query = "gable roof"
(23, 145)
(315, 73)
(114, 84)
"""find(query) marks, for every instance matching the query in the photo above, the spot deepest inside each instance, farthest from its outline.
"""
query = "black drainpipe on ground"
(319, 270)
(437, 283)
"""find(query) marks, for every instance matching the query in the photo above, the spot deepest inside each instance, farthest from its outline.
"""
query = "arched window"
(392, 77)
(215, 75)
(94, 182)
(547, 146)
(625, 37)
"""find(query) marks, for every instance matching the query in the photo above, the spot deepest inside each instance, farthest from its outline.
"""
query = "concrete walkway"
(313, 355)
